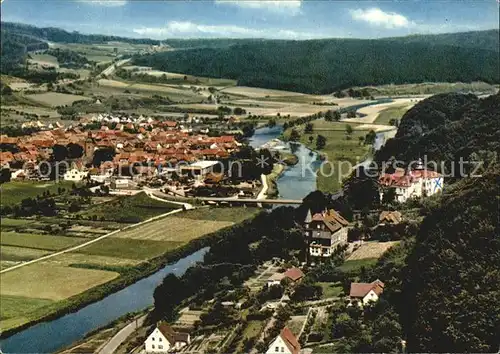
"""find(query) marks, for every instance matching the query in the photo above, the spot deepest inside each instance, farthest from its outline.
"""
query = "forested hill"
(488, 40)
(323, 66)
(53, 34)
(446, 127)
(450, 286)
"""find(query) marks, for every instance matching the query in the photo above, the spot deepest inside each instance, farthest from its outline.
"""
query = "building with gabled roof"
(390, 218)
(164, 339)
(366, 292)
(325, 232)
(411, 183)
(284, 343)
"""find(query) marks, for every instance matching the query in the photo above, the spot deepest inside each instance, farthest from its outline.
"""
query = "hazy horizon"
(279, 19)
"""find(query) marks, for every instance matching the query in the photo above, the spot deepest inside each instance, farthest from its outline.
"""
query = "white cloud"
(291, 7)
(377, 17)
(106, 3)
(186, 29)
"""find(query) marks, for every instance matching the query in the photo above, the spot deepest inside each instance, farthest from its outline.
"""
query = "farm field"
(14, 192)
(174, 93)
(371, 250)
(45, 288)
(17, 310)
(258, 92)
(41, 111)
(387, 114)
(48, 281)
(371, 113)
(182, 79)
(342, 153)
(44, 59)
(41, 242)
(54, 99)
(14, 253)
(128, 248)
(128, 209)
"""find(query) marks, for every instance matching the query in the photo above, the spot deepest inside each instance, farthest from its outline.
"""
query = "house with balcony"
(325, 232)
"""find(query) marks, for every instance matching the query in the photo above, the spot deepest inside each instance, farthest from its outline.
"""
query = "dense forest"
(61, 36)
(324, 66)
(14, 48)
(450, 288)
(445, 128)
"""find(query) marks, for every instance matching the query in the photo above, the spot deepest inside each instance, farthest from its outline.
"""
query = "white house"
(275, 279)
(416, 183)
(199, 169)
(366, 292)
(285, 343)
(75, 175)
(164, 338)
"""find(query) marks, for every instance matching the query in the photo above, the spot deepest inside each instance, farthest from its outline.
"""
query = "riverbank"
(272, 187)
(340, 153)
(127, 275)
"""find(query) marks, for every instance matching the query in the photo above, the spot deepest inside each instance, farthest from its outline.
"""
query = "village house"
(75, 175)
(285, 343)
(390, 218)
(365, 293)
(294, 275)
(325, 231)
(198, 169)
(407, 183)
(164, 338)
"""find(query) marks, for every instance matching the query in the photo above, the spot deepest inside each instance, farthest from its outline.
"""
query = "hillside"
(446, 127)
(14, 47)
(58, 35)
(323, 66)
(488, 40)
(450, 288)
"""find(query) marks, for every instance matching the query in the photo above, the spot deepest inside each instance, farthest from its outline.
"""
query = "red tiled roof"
(294, 274)
(361, 289)
(290, 340)
(332, 220)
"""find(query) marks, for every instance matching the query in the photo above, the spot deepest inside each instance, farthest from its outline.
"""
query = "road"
(113, 344)
(160, 194)
(72, 249)
(111, 69)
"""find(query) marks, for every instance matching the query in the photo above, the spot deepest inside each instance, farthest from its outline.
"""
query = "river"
(296, 181)
(47, 337)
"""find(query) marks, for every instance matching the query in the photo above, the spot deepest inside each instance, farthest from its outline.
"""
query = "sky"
(280, 19)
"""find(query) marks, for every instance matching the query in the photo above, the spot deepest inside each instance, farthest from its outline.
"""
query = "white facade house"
(75, 175)
(199, 169)
(164, 339)
(407, 184)
(364, 293)
(275, 279)
(284, 343)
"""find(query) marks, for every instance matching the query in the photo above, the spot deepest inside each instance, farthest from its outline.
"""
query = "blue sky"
(294, 19)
